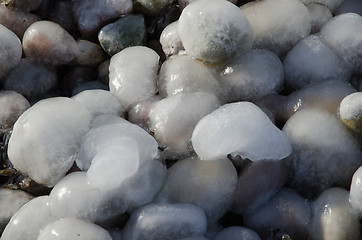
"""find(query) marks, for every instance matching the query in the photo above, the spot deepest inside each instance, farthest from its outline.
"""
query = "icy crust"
(355, 195)
(46, 138)
(239, 129)
(351, 107)
(72, 228)
(214, 31)
(277, 24)
(170, 39)
(132, 74)
(320, 15)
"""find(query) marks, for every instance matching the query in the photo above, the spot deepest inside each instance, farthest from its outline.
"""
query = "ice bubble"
(333, 217)
(257, 183)
(237, 233)
(277, 24)
(132, 74)
(320, 15)
(173, 119)
(207, 184)
(10, 202)
(285, 213)
(312, 61)
(181, 74)
(47, 42)
(354, 6)
(46, 138)
(170, 39)
(102, 136)
(239, 129)
(10, 50)
(166, 221)
(72, 228)
(348, 42)
(252, 76)
(99, 102)
(27, 222)
(355, 196)
(214, 31)
(325, 154)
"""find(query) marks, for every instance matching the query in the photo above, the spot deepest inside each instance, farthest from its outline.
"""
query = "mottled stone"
(151, 7)
(24, 5)
(90, 54)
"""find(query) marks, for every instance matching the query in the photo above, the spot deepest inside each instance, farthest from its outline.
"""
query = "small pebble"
(90, 54)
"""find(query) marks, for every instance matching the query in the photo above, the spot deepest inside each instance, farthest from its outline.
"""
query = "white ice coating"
(27, 222)
(237, 233)
(46, 138)
(132, 74)
(348, 42)
(351, 107)
(252, 76)
(320, 15)
(170, 39)
(277, 24)
(173, 119)
(239, 129)
(312, 61)
(99, 102)
(214, 30)
(181, 73)
(355, 195)
(73, 228)
(10, 50)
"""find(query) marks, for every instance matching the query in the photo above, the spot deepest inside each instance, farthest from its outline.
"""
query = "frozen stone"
(237, 233)
(92, 15)
(348, 42)
(12, 106)
(73, 196)
(214, 31)
(325, 154)
(312, 61)
(132, 74)
(333, 217)
(184, 3)
(173, 119)
(106, 119)
(102, 136)
(252, 76)
(331, 4)
(31, 79)
(207, 184)
(170, 40)
(285, 213)
(99, 102)
(355, 195)
(73, 228)
(47, 42)
(354, 6)
(151, 7)
(90, 54)
(166, 221)
(62, 13)
(257, 183)
(10, 202)
(139, 112)
(277, 24)
(128, 31)
(181, 74)
(27, 222)
(24, 5)
(16, 20)
(320, 15)
(239, 129)
(46, 138)
(10, 50)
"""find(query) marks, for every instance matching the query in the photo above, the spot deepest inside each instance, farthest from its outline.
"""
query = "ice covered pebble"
(252, 76)
(207, 184)
(138, 113)
(10, 50)
(214, 31)
(312, 61)
(170, 39)
(237, 233)
(350, 112)
(320, 15)
(348, 42)
(46, 138)
(47, 42)
(132, 74)
(92, 15)
(333, 217)
(277, 24)
(181, 74)
(12, 105)
(173, 119)
(355, 196)
(325, 154)
(73, 228)
(239, 129)
(331, 4)
(166, 221)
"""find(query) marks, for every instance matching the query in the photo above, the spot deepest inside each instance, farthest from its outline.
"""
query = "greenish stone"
(125, 32)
